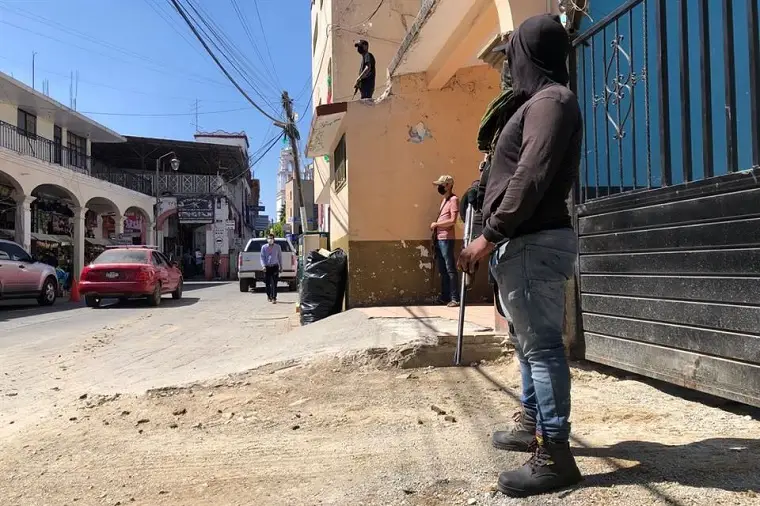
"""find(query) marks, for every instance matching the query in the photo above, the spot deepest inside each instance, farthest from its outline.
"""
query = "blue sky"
(137, 58)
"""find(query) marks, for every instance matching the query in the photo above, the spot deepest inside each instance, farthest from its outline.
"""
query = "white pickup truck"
(251, 271)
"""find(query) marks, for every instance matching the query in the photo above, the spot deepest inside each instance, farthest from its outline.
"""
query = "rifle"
(464, 285)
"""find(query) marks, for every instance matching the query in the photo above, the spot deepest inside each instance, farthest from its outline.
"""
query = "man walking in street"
(271, 259)
(527, 226)
(365, 83)
(443, 233)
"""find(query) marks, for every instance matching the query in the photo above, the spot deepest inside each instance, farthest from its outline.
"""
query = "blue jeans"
(447, 266)
(530, 273)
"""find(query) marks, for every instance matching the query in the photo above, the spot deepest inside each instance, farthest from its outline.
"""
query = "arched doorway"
(100, 223)
(57, 230)
(10, 190)
(137, 226)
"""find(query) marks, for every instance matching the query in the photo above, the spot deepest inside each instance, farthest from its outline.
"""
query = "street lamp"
(175, 167)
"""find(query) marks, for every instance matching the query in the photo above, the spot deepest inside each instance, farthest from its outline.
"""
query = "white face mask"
(270, 241)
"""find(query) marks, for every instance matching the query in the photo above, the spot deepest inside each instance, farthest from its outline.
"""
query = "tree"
(277, 229)
(282, 214)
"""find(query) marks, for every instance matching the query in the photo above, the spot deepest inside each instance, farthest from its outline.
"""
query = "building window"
(77, 150)
(27, 124)
(57, 144)
(315, 37)
(339, 161)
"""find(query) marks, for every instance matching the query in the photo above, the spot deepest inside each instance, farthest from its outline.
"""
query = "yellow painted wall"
(513, 12)
(8, 114)
(399, 146)
(339, 23)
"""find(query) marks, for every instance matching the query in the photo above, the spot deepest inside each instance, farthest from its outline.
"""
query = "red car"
(126, 272)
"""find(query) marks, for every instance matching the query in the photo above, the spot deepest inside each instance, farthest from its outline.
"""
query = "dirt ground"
(339, 433)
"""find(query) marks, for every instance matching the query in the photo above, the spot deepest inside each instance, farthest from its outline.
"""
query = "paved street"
(51, 355)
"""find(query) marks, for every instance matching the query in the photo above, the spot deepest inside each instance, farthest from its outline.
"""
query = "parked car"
(251, 271)
(22, 277)
(126, 272)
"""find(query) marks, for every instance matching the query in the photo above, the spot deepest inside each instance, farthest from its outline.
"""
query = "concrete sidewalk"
(480, 315)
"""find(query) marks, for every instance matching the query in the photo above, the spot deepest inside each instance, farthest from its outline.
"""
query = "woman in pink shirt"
(443, 228)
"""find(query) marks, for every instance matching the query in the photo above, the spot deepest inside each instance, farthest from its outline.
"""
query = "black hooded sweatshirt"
(536, 159)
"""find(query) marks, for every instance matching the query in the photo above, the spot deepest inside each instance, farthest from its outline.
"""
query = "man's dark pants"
(271, 277)
(447, 266)
(366, 90)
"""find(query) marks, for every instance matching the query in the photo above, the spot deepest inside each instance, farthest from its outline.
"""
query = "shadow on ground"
(720, 463)
(189, 286)
(10, 310)
(166, 303)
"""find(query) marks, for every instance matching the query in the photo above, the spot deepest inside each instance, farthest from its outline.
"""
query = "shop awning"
(60, 239)
(98, 242)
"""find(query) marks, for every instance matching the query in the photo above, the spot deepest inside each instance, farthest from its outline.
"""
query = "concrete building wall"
(292, 203)
(397, 149)
(335, 66)
(8, 114)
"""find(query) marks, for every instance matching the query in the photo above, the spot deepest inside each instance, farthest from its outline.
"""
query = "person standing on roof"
(365, 83)
(527, 226)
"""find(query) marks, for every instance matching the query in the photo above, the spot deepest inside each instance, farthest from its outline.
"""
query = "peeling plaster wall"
(397, 147)
(339, 23)
(384, 32)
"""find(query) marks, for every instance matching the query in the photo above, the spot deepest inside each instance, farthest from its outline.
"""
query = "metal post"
(291, 132)
(155, 190)
(468, 221)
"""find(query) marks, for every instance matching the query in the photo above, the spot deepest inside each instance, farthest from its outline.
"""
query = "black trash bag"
(323, 286)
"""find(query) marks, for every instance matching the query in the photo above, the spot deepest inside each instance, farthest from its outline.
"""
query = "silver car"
(21, 277)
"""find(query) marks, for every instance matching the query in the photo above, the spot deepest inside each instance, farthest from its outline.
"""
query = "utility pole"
(291, 131)
(34, 53)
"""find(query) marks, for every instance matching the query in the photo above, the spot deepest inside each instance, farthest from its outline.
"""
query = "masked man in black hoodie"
(528, 232)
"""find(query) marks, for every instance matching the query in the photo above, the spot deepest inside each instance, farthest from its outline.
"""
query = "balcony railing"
(43, 149)
(130, 180)
(143, 182)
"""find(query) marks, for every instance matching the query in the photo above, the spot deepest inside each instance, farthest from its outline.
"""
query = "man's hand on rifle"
(474, 253)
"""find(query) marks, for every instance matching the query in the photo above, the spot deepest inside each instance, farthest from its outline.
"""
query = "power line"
(156, 7)
(200, 80)
(163, 115)
(244, 23)
(159, 65)
(235, 56)
(266, 43)
(269, 148)
(146, 115)
(118, 88)
(185, 17)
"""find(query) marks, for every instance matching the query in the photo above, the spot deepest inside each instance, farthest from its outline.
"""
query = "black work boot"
(551, 468)
(519, 437)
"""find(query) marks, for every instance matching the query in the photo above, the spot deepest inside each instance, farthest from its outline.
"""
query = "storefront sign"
(230, 224)
(133, 223)
(195, 210)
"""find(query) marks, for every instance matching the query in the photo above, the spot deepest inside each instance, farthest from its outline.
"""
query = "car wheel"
(48, 293)
(245, 285)
(155, 298)
(92, 301)
(177, 294)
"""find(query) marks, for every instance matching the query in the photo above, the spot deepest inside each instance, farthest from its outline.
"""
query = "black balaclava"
(537, 55)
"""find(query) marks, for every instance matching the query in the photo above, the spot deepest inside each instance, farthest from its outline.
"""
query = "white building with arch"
(45, 152)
